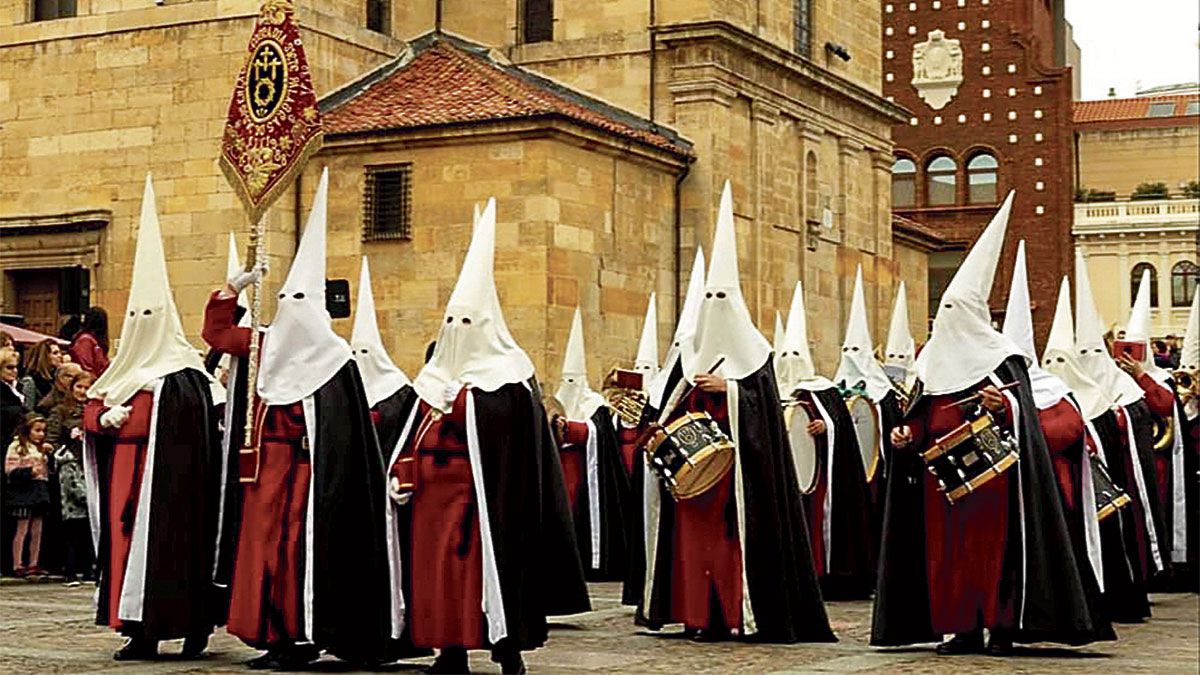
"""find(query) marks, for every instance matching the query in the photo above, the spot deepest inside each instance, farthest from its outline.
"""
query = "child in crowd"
(28, 493)
(65, 432)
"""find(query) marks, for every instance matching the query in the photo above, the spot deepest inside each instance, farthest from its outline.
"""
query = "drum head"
(865, 419)
(804, 448)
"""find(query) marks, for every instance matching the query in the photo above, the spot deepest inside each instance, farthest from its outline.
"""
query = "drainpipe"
(653, 58)
(679, 237)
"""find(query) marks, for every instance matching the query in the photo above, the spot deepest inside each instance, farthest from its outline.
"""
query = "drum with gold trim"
(864, 417)
(689, 455)
(1109, 497)
(970, 456)
(805, 453)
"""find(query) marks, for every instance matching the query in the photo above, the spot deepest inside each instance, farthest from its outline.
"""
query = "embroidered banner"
(273, 125)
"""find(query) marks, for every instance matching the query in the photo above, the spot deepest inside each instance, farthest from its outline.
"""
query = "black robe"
(1141, 420)
(1062, 598)
(1124, 586)
(785, 595)
(614, 510)
(850, 573)
(532, 533)
(352, 591)
(179, 599)
(393, 412)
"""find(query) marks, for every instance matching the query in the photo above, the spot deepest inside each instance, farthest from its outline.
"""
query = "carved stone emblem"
(937, 69)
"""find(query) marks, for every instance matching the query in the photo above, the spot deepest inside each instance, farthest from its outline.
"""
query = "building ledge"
(918, 235)
(74, 221)
(1139, 215)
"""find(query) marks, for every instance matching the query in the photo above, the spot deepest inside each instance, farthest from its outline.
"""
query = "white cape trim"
(749, 626)
(227, 437)
(1142, 494)
(827, 505)
(395, 554)
(593, 487)
(310, 426)
(133, 587)
(1015, 422)
(493, 600)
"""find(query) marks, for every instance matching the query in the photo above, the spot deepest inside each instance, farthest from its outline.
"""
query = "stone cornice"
(776, 56)
(75, 221)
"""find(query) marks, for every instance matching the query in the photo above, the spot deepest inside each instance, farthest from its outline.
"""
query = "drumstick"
(974, 397)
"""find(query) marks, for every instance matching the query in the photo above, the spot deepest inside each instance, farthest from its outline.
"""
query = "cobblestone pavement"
(47, 628)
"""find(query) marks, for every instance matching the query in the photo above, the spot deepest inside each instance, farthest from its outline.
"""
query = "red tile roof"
(1114, 109)
(918, 233)
(444, 80)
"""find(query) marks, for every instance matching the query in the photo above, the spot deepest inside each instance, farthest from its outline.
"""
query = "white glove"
(395, 493)
(243, 279)
(451, 393)
(114, 417)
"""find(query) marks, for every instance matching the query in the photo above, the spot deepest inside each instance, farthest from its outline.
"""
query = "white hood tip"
(646, 360)
(576, 395)
(725, 333)
(796, 369)
(1090, 346)
(901, 348)
(1061, 359)
(301, 352)
(963, 347)
(153, 343)
(683, 340)
(1189, 356)
(1048, 389)
(381, 377)
(858, 364)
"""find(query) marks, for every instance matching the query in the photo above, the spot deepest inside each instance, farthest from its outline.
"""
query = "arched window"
(941, 179)
(1135, 279)
(1185, 276)
(812, 210)
(904, 182)
(981, 179)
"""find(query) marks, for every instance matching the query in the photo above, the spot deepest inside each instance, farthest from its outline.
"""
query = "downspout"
(679, 236)
(653, 56)
(437, 16)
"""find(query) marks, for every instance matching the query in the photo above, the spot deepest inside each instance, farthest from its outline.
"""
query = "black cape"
(1124, 585)
(393, 412)
(532, 533)
(1141, 420)
(352, 592)
(614, 507)
(785, 595)
(179, 599)
(851, 570)
(1062, 598)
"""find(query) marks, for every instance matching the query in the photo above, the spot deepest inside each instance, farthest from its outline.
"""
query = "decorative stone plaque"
(937, 69)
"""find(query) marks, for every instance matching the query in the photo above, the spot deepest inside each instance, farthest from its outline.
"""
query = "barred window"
(387, 203)
(802, 19)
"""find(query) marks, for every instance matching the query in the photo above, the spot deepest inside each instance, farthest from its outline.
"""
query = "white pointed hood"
(301, 352)
(1089, 343)
(578, 400)
(684, 340)
(777, 343)
(796, 369)
(901, 348)
(646, 361)
(963, 347)
(381, 377)
(474, 346)
(1189, 356)
(1048, 389)
(725, 331)
(1137, 329)
(1061, 359)
(153, 344)
(858, 362)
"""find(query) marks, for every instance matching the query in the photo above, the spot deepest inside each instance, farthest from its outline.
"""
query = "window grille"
(387, 203)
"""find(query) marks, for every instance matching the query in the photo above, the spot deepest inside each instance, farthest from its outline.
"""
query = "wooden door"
(37, 299)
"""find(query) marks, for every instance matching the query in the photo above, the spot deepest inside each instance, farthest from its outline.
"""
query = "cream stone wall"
(1120, 160)
(575, 226)
(91, 104)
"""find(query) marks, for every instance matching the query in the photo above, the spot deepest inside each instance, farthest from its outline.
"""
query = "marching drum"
(689, 455)
(864, 416)
(970, 456)
(1109, 497)
(805, 454)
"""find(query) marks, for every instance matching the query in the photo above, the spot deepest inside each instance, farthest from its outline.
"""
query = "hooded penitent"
(796, 369)
(725, 333)
(683, 342)
(901, 348)
(963, 347)
(1189, 356)
(159, 471)
(858, 366)
(646, 361)
(578, 399)
(474, 346)
(153, 343)
(381, 377)
(1061, 359)
(1048, 389)
(301, 352)
(1137, 329)
(1089, 342)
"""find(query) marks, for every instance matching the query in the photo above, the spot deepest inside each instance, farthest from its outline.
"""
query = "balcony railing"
(1142, 214)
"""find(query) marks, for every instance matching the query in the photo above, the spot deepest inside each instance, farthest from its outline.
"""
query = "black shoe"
(194, 646)
(962, 643)
(710, 635)
(265, 661)
(297, 657)
(450, 662)
(512, 664)
(137, 649)
(1000, 644)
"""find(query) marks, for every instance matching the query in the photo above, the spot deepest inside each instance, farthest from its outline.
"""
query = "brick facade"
(1014, 103)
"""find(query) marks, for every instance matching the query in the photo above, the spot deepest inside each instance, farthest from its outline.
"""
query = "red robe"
(964, 542)
(627, 438)
(1137, 506)
(706, 552)
(814, 502)
(573, 454)
(1162, 405)
(130, 441)
(446, 559)
(265, 604)
(1062, 425)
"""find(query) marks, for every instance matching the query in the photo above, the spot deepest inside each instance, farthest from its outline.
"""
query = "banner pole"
(257, 244)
